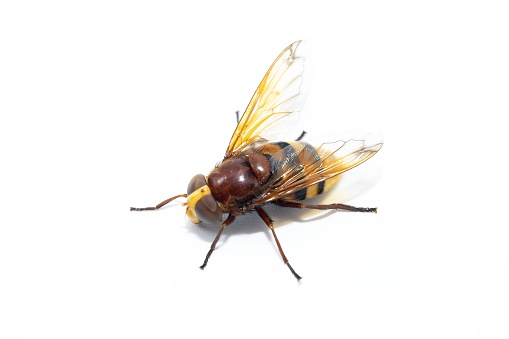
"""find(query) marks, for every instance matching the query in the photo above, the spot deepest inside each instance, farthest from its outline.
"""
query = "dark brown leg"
(268, 221)
(161, 204)
(228, 221)
(286, 203)
(301, 136)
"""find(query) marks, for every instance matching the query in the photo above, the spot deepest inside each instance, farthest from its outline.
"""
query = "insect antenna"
(161, 204)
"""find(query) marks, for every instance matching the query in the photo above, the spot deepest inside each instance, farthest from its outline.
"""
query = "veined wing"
(275, 105)
(311, 165)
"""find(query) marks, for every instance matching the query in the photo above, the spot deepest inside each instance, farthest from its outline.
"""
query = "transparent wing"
(309, 165)
(275, 105)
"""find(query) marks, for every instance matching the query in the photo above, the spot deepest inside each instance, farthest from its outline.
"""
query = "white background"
(110, 104)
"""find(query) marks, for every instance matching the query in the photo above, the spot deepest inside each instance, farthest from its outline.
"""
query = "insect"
(258, 169)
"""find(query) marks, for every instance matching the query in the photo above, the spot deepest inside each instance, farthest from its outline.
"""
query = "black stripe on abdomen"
(321, 187)
(284, 154)
(301, 194)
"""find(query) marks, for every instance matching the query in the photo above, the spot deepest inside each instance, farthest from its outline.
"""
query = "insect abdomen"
(307, 154)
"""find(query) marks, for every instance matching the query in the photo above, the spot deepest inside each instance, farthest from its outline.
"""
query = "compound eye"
(196, 182)
(202, 206)
(208, 211)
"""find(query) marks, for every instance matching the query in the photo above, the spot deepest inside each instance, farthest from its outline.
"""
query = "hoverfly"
(258, 169)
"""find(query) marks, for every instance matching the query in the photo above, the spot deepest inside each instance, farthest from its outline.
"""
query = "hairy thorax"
(237, 180)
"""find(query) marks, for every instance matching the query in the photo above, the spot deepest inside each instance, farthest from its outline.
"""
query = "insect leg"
(161, 204)
(238, 116)
(286, 203)
(268, 221)
(301, 136)
(228, 221)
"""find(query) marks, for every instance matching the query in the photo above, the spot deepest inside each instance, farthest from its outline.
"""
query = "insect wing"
(311, 165)
(275, 105)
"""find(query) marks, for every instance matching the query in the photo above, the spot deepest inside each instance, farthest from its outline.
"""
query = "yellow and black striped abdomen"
(306, 154)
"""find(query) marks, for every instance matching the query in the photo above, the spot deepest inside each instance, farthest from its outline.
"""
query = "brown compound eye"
(196, 182)
(206, 208)
(208, 211)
